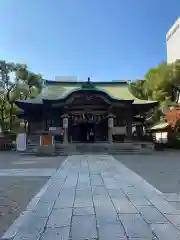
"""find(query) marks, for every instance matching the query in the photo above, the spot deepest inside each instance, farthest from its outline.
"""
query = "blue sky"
(104, 39)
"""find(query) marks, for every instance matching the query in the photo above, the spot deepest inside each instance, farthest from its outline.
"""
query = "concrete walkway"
(96, 197)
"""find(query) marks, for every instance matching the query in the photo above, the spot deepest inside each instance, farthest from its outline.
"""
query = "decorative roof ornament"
(125, 80)
(88, 84)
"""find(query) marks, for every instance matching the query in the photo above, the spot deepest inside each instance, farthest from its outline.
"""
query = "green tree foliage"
(138, 89)
(16, 82)
(157, 85)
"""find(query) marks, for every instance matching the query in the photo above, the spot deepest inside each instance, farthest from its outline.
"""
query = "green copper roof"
(59, 90)
(113, 89)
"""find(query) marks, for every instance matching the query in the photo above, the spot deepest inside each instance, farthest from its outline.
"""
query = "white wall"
(173, 42)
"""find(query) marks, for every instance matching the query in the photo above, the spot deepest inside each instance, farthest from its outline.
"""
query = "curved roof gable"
(118, 90)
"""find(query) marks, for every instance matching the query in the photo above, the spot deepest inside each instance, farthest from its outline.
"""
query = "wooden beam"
(76, 111)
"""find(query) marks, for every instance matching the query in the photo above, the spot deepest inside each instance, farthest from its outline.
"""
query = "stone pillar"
(65, 127)
(110, 128)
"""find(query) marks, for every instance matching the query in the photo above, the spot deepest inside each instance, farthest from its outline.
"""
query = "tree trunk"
(11, 116)
(11, 106)
(2, 117)
(25, 125)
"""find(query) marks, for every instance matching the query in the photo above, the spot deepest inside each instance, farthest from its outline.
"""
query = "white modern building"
(173, 42)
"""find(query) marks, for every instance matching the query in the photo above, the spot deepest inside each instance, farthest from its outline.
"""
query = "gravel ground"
(162, 169)
(15, 194)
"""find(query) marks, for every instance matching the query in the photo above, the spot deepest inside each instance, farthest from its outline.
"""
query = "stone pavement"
(96, 197)
(173, 198)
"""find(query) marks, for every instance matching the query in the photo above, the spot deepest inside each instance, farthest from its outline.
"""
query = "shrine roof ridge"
(112, 82)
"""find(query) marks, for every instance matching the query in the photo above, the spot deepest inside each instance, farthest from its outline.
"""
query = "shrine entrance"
(85, 117)
(85, 130)
(87, 112)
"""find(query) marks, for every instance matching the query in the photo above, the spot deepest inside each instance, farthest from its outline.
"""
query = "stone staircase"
(124, 148)
(104, 148)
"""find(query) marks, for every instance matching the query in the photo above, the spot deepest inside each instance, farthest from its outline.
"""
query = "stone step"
(98, 148)
(112, 152)
(105, 147)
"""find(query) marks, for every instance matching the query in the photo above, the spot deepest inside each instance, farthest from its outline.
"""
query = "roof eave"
(146, 103)
(24, 104)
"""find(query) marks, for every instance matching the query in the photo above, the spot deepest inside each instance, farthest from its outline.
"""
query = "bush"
(174, 140)
(5, 143)
(10, 135)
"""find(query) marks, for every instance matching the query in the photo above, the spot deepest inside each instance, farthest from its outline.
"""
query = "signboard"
(21, 142)
(52, 129)
(119, 130)
(46, 140)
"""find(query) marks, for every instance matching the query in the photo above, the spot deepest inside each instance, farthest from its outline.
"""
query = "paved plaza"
(97, 197)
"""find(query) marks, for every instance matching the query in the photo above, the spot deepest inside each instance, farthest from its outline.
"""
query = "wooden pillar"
(129, 123)
(29, 127)
(43, 125)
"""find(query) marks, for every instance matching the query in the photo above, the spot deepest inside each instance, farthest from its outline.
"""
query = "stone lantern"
(110, 128)
(65, 127)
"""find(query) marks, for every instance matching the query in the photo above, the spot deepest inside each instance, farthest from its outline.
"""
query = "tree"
(31, 79)
(176, 72)
(158, 81)
(157, 85)
(7, 87)
(138, 89)
(16, 82)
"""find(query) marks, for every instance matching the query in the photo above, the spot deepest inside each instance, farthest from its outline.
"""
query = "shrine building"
(108, 110)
